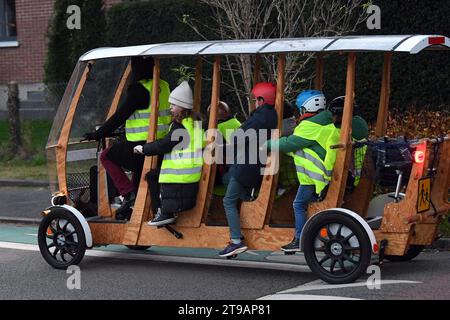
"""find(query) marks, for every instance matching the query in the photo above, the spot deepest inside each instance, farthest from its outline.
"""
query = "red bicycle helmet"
(265, 90)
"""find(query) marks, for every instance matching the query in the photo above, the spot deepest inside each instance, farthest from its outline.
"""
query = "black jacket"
(137, 98)
(249, 175)
(175, 197)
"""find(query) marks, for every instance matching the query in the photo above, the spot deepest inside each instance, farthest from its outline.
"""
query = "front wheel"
(61, 239)
(336, 247)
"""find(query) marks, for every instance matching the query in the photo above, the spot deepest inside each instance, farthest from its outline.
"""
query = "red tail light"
(436, 40)
(419, 156)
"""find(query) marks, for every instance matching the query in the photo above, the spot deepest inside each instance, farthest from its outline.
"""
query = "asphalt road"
(23, 202)
(26, 276)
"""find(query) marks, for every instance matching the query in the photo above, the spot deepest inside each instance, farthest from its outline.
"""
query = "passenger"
(226, 125)
(287, 178)
(360, 133)
(244, 177)
(174, 186)
(135, 114)
(314, 160)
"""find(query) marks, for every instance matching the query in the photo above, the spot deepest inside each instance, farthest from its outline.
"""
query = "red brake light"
(436, 40)
(375, 248)
(419, 156)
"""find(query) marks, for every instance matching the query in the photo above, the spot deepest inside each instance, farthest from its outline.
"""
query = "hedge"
(420, 81)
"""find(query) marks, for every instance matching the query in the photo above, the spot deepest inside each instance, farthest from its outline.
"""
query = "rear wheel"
(336, 247)
(61, 239)
(412, 252)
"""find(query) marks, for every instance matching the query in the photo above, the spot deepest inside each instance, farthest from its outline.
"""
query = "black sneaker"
(162, 219)
(294, 246)
(124, 212)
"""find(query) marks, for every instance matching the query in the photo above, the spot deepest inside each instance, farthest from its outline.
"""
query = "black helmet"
(142, 67)
(336, 106)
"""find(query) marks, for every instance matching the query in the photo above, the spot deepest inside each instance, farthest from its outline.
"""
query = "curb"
(23, 183)
(14, 220)
(441, 244)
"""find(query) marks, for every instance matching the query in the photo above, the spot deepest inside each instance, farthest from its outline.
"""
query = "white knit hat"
(182, 96)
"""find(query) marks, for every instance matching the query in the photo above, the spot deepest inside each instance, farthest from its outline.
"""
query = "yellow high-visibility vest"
(311, 169)
(227, 128)
(185, 165)
(136, 127)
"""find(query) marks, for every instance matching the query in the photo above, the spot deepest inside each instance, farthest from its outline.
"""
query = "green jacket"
(360, 130)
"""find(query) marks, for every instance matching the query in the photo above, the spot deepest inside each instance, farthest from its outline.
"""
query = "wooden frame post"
(61, 148)
(254, 214)
(198, 84)
(142, 204)
(359, 199)
(383, 109)
(336, 188)
(318, 80)
(194, 217)
(256, 78)
(104, 209)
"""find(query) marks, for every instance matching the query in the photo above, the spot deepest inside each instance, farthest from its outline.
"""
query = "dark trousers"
(119, 156)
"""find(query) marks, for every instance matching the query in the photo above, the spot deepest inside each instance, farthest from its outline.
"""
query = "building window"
(8, 30)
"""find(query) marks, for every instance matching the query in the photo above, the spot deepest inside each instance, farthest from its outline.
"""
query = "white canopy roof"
(394, 43)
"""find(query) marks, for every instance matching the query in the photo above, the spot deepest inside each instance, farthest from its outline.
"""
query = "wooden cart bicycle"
(338, 239)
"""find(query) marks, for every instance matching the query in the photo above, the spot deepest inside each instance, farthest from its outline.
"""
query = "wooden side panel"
(396, 214)
(424, 234)
(441, 184)
(61, 148)
(104, 208)
(397, 242)
(216, 237)
(358, 201)
(253, 214)
(108, 233)
(193, 217)
(336, 189)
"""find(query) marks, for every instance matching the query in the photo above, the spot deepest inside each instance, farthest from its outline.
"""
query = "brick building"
(23, 44)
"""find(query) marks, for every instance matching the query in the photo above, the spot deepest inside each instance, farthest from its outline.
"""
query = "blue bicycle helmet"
(311, 101)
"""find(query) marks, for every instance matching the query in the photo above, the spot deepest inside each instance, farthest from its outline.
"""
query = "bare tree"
(266, 19)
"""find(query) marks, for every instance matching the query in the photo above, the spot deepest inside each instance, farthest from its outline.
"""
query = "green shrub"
(66, 46)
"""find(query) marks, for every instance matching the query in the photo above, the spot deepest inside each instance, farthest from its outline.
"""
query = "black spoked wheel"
(336, 247)
(139, 248)
(61, 239)
(412, 252)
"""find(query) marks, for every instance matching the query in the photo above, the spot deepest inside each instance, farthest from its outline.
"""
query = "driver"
(135, 114)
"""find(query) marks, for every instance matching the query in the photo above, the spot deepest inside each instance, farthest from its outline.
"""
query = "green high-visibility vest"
(359, 155)
(227, 128)
(136, 127)
(311, 169)
(185, 165)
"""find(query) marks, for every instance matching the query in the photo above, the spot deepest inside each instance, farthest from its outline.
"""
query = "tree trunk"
(13, 106)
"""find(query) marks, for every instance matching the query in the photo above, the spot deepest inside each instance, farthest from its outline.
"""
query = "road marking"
(303, 297)
(291, 294)
(175, 259)
(325, 286)
(31, 234)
